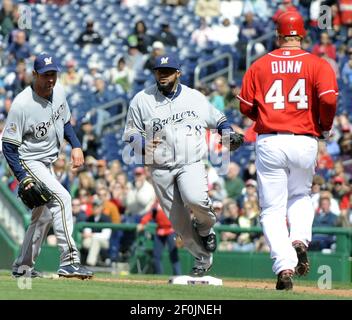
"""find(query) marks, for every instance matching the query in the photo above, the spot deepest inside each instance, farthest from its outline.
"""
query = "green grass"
(51, 289)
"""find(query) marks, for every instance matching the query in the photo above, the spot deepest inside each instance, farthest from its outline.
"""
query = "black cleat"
(209, 242)
(199, 271)
(30, 273)
(284, 280)
(75, 271)
(201, 267)
(303, 266)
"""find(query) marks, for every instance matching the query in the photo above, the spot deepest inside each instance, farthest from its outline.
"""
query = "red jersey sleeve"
(327, 89)
(247, 95)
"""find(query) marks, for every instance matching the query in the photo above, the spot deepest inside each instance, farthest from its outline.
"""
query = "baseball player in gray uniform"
(166, 124)
(38, 122)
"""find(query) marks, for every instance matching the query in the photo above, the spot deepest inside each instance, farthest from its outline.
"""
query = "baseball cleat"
(302, 267)
(75, 271)
(201, 266)
(32, 273)
(209, 242)
(284, 280)
(199, 271)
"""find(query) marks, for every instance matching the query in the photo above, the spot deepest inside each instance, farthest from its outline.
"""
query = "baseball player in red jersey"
(291, 95)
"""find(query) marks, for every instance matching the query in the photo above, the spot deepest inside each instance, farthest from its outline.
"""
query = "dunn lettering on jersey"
(288, 66)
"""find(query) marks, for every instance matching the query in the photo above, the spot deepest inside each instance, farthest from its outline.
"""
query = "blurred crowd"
(102, 191)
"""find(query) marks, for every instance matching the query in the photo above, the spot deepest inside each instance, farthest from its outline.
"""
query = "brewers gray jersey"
(181, 123)
(36, 125)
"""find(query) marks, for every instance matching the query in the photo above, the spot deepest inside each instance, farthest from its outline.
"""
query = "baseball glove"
(234, 140)
(37, 195)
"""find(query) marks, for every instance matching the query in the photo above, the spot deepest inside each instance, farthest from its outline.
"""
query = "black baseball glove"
(37, 195)
(233, 140)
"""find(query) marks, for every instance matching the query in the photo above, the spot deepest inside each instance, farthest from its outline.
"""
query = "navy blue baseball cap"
(167, 61)
(45, 62)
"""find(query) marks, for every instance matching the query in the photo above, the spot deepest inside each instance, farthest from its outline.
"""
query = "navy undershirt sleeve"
(224, 126)
(70, 136)
(10, 152)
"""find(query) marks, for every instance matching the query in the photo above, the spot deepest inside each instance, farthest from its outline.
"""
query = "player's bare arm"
(77, 158)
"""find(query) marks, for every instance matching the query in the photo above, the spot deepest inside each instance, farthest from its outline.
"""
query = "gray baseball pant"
(58, 212)
(180, 191)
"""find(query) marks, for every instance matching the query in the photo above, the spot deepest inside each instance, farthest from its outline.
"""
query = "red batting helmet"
(291, 23)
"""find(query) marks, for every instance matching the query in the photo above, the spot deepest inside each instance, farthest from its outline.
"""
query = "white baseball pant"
(285, 168)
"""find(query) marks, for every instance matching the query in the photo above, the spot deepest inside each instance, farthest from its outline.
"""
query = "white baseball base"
(188, 280)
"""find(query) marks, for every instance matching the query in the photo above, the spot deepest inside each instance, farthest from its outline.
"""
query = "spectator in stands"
(207, 8)
(71, 77)
(94, 73)
(134, 59)
(202, 36)
(158, 49)
(18, 80)
(249, 30)
(6, 18)
(347, 70)
(141, 37)
(250, 171)
(345, 219)
(61, 169)
(174, 3)
(86, 182)
(342, 20)
(220, 91)
(118, 196)
(231, 102)
(233, 182)
(325, 46)
(259, 7)
(325, 193)
(20, 48)
(109, 208)
(166, 36)
(226, 33)
(115, 167)
(121, 74)
(86, 201)
(141, 197)
(89, 35)
(249, 192)
(218, 209)
(324, 161)
(332, 147)
(339, 189)
(88, 139)
(217, 192)
(95, 239)
(165, 234)
(78, 214)
(249, 218)
(285, 6)
(230, 217)
(323, 218)
(339, 171)
(100, 94)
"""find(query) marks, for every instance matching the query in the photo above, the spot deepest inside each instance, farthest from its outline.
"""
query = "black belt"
(296, 134)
